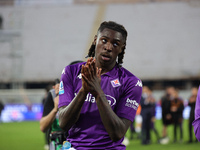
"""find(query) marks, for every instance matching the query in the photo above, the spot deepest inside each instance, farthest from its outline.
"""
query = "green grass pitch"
(27, 136)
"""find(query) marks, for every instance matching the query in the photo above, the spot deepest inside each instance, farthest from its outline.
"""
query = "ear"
(123, 47)
(95, 39)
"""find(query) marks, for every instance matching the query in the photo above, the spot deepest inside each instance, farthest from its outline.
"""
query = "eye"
(104, 40)
(115, 44)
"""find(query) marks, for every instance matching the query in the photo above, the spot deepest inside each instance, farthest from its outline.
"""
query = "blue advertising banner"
(21, 112)
(33, 112)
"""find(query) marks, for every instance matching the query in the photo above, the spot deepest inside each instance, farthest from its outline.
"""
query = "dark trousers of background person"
(146, 127)
(191, 131)
(178, 124)
(155, 131)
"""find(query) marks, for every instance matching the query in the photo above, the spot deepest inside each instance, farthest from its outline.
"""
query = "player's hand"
(91, 77)
(85, 73)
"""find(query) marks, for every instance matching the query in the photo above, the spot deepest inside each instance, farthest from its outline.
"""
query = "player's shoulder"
(130, 77)
(73, 68)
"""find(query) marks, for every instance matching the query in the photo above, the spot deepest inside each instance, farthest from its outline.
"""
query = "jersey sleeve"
(130, 99)
(66, 93)
(196, 122)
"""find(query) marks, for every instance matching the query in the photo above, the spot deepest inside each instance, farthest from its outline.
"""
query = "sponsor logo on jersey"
(61, 88)
(91, 99)
(139, 83)
(132, 103)
(115, 83)
(111, 100)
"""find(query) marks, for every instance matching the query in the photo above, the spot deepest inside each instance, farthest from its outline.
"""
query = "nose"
(108, 46)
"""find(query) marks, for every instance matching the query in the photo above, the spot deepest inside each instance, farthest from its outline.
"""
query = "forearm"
(115, 126)
(68, 115)
(46, 121)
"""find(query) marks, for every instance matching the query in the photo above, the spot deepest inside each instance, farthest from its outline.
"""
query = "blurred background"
(38, 38)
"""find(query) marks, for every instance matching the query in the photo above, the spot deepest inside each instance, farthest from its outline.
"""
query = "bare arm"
(114, 125)
(46, 121)
(68, 115)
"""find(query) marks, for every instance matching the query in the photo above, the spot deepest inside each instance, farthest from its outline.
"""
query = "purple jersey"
(196, 122)
(123, 91)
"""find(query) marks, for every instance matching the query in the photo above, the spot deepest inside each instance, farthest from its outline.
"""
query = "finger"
(84, 78)
(82, 69)
(89, 60)
(85, 69)
(88, 70)
(99, 72)
(91, 69)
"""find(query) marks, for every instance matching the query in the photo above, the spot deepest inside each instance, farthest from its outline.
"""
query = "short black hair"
(114, 26)
(56, 81)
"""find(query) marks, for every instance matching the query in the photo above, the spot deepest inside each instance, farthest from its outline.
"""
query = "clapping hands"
(91, 77)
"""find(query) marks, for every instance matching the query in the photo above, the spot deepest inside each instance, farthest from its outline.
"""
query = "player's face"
(109, 44)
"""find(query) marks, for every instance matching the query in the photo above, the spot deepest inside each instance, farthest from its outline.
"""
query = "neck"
(105, 68)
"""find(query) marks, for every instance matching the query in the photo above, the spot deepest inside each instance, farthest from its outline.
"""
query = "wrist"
(82, 91)
(55, 110)
(100, 94)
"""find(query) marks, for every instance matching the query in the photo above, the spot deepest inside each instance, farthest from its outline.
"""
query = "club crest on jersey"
(115, 83)
(61, 88)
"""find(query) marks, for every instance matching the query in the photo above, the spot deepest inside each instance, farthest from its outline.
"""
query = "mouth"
(105, 57)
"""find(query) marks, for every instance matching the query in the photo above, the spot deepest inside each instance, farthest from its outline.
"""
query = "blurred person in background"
(153, 118)
(196, 122)
(148, 115)
(166, 114)
(47, 89)
(135, 127)
(1, 22)
(191, 103)
(47, 133)
(132, 130)
(49, 122)
(177, 108)
(98, 99)
(1, 108)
